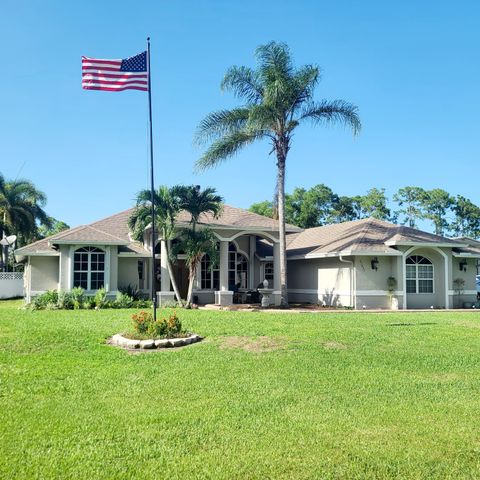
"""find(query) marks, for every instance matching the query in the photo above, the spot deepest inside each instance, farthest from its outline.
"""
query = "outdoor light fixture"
(463, 265)
(374, 263)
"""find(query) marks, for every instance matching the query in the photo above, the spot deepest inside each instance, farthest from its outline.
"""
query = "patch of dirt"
(253, 344)
(334, 346)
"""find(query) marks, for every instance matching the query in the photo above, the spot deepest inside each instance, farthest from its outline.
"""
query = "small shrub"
(100, 299)
(65, 300)
(89, 303)
(143, 324)
(78, 297)
(46, 300)
(132, 291)
(123, 301)
(141, 321)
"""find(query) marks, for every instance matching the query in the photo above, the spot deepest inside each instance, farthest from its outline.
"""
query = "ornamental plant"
(145, 325)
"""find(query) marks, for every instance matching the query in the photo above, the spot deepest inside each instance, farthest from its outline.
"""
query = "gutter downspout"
(353, 297)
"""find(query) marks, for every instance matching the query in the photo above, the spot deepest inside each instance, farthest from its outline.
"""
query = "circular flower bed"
(132, 344)
(164, 332)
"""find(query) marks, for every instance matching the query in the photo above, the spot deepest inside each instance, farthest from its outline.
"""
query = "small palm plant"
(277, 98)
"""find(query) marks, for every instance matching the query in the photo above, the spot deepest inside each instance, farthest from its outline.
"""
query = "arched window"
(237, 268)
(89, 268)
(419, 274)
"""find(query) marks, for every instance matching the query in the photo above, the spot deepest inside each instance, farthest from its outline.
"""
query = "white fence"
(11, 284)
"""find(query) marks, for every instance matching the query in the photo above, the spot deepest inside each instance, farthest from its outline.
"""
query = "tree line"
(452, 215)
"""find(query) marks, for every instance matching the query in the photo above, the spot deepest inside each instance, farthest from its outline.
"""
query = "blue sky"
(411, 67)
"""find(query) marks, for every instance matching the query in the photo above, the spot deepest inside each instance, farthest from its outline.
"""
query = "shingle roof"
(237, 217)
(113, 230)
(359, 236)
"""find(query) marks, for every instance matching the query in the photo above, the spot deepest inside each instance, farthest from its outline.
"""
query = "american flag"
(115, 75)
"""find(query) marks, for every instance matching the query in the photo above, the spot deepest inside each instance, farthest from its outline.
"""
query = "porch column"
(276, 274)
(165, 295)
(251, 265)
(223, 296)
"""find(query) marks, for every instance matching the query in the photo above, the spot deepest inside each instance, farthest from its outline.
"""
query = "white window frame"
(89, 270)
(416, 265)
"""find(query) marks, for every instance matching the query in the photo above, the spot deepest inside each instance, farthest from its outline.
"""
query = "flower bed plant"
(145, 327)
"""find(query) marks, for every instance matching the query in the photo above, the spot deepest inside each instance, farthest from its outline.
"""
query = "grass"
(347, 395)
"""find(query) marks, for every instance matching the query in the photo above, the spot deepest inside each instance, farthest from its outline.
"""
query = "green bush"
(168, 327)
(78, 297)
(46, 300)
(100, 298)
(65, 300)
(132, 291)
(123, 301)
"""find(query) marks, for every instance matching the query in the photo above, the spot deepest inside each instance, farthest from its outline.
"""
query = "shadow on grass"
(410, 324)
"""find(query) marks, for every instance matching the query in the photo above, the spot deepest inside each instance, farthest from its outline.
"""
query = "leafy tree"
(277, 98)
(436, 203)
(21, 210)
(412, 200)
(343, 210)
(264, 208)
(309, 208)
(196, 243)
(167, 207)
(373, 204)
(467, 218)
(55, 226)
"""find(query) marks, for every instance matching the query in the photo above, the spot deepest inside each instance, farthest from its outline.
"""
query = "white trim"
(83, 243)
(38, 254)
(464, 292)
(466, 255)
(134, 254)
(378, 293)
(427, 244)
(346, 253)
(259, 233)
(312, 291)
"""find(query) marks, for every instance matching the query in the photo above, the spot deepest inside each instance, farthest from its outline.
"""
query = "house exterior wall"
(321, 280)
(44, 274)
(372, 285)
(469, 293)
(127, 271)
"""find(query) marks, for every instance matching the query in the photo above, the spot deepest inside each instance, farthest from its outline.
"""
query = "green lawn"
(332, 395)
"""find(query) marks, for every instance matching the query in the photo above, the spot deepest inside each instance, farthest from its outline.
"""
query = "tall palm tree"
(21, 207)
(167, 208)
(277, 98)
(195, 243)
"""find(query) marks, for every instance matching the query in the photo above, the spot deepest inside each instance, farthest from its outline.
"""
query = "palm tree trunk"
(173, 281)
(191, 278)
(281, 157)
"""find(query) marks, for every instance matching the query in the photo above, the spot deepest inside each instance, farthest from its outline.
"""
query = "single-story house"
(360, 264)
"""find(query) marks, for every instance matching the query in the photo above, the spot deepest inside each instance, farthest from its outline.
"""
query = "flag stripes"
(115, 75)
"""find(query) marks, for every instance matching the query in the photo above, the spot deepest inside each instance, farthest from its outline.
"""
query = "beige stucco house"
(361, 264)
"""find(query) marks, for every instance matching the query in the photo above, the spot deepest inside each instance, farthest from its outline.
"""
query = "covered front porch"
(245, 260)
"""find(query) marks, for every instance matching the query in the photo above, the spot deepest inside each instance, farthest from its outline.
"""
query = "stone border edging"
(131, 344)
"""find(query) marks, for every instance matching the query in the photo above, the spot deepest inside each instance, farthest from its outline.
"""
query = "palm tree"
(196, 201)
(277, 98)
(21, 207)
(167, 208)
(195, 243)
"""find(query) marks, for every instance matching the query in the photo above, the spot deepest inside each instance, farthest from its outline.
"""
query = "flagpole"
(152, 186)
